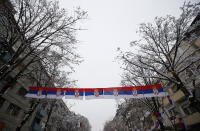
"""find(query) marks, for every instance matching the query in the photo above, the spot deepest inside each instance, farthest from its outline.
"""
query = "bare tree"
(131, 114)
(162, 54)
(116, 124)
(71, 122)
(136, 76)
(38, 31)
(164, 49)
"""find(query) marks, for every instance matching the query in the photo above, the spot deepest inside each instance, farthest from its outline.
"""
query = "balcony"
(165, 102)
(175, 97)
(178, 96)
(192, 119)
(42, 113)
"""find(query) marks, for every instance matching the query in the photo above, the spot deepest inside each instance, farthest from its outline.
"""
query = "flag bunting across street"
(155, 90)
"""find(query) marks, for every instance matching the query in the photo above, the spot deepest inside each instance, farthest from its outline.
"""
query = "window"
(10, 108)
(22, 92)
(188, 109)
(13, 110)
(5, 55)
(2, 100)
(8, 78)
(173, 111)
(174, 89)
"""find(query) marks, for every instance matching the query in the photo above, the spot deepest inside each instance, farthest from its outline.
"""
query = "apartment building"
(14, 107)
(188, 109)
(26, 114)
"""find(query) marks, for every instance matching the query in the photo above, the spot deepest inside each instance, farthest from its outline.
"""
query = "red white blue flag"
(123, 92)
(74, 93)
(134, 92)
(55, 93)
(97, 93)
(153, 90)
(36, 92)
(94, 93)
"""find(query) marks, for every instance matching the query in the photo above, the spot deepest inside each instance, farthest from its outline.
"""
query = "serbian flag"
(55, 93)
(153, 90)
(134, 92)
(36, 92)
(74, 93)
(93, 93)
(110, 93)
(123, 92)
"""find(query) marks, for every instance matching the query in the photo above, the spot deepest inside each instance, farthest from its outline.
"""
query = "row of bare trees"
(35, 31)
(37, 45)
(164, 54)
(132, 115)
(65, 120)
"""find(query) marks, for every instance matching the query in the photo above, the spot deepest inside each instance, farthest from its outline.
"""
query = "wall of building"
(181, 106)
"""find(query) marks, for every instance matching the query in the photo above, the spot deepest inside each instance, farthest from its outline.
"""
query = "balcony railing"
(178, 96)
(165, 102)
(175, 97)
(192, 119)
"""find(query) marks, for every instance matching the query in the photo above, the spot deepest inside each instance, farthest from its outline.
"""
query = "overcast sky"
(110, 24)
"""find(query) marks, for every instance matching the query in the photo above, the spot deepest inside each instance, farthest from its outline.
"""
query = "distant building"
(58, 113)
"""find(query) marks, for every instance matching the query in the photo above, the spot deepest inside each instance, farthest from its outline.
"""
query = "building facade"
(181, 106)
(16, 111)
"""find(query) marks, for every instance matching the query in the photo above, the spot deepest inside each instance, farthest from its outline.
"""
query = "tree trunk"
(30, 113)
(181, 85)
(48, 117)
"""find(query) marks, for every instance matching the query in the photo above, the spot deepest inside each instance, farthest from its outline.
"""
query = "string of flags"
(155, 90)
(180, 121)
